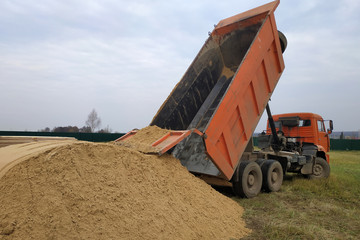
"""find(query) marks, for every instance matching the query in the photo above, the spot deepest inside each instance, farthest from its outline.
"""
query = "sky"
(59, 59)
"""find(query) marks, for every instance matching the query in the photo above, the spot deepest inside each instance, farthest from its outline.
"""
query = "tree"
(85, 129)
(66, 129)
(342, 135)
(105, 130)
(93, 120)
(47, 129)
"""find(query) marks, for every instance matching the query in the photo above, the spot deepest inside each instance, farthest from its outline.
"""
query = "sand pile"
(107, 191)
(143, 139)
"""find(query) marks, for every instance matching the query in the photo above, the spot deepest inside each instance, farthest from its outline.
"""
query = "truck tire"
(260, 162)
(283, 41)
(249, 180)
(273, 175)
(321, 169)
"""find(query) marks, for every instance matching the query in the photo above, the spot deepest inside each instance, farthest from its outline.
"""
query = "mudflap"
(308, 167)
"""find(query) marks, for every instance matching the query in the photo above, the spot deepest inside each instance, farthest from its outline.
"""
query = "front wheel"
(321, 169)
(249, 180)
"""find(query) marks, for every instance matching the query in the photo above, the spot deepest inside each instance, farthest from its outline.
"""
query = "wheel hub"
(318, 169)
(251, 179)
(274, 176)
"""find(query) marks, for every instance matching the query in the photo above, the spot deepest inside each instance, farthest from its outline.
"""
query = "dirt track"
(14, 154)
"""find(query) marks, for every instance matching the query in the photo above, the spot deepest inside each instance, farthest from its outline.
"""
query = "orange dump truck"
(217, 104)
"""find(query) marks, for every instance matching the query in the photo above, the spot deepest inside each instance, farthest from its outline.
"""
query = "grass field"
(310, 209)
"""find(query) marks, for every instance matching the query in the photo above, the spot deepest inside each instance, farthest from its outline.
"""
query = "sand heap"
(143, 139)
(107, 191)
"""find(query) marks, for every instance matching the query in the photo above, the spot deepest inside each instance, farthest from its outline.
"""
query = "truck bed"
(225, 91)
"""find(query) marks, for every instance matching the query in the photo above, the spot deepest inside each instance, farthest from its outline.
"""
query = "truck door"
(323, 138)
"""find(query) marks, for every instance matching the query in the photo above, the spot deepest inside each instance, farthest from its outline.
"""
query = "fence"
(345, 144)
(335, 144)
(91, 137)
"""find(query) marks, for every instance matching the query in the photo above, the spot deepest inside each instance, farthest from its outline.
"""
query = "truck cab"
(303, 132)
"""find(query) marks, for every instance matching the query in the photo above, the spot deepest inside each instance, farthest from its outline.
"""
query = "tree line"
(92, 125)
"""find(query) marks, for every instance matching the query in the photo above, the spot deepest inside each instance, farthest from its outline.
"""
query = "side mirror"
(331, 127)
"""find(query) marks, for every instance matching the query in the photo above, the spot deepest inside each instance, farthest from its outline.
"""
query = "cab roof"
(301, 115)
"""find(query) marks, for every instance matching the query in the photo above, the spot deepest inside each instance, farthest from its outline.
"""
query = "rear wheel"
(260, 162)
(249, 180)
(272, 175)
(321, 169)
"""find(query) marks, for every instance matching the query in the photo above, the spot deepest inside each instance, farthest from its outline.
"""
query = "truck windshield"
(302, 123)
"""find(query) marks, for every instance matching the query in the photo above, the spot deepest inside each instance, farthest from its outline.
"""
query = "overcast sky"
(59, 59)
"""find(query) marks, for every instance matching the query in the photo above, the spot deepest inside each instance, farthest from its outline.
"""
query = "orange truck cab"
(303, 132)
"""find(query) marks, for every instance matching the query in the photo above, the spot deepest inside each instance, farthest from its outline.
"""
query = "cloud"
(114, 72)
(61, 59)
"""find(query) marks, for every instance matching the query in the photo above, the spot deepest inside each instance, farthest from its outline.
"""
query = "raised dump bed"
(225, 91)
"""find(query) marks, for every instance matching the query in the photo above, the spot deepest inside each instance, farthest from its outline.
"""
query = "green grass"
(310, 209)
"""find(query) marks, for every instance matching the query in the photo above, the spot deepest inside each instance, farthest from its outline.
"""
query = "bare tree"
(105, 130)
(93, 120)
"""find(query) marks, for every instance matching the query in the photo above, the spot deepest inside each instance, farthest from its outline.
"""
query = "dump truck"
(215, 108)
